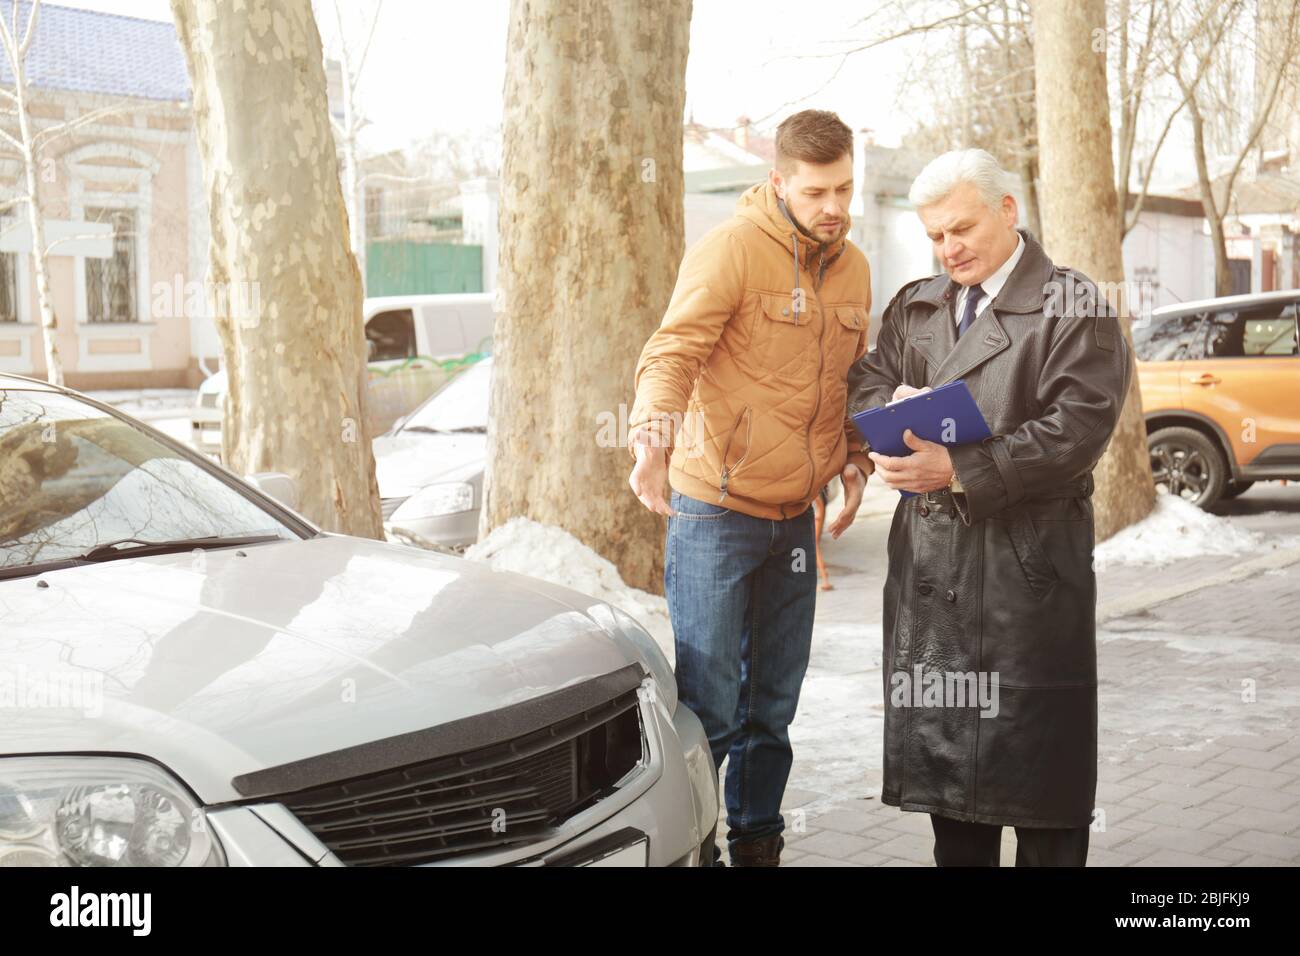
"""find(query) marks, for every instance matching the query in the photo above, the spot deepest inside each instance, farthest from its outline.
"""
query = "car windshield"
(1169, 338)
(461, 405)
(73, 478)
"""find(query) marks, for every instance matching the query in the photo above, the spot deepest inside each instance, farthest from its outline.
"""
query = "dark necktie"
(973, 296)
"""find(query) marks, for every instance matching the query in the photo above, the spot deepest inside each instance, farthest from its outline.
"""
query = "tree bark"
(591, 238)
(1081, 216)
(285, 288)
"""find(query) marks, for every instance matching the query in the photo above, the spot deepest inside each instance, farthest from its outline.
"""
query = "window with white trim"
(110, 283)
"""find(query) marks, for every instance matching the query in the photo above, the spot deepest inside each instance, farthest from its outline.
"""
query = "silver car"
(430, 464)
(191, 674)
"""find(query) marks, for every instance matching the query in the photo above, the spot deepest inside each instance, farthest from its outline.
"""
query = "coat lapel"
(984, 339)
(934, 338)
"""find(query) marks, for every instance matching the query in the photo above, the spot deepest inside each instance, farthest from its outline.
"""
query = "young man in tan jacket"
(740, 406)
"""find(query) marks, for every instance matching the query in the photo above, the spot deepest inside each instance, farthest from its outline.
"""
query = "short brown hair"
(814, 136)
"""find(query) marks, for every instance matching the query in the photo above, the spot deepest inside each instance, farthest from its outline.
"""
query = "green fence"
(422, 268)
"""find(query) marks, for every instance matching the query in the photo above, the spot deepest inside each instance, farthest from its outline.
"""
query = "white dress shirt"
(993, 284)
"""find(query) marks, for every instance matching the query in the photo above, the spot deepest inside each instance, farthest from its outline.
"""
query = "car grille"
(509, 793)
(389, 505)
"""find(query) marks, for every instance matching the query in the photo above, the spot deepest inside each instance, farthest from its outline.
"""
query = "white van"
(405, 328)
(414, 345)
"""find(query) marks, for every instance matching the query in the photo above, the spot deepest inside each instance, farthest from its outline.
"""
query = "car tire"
(1234, 488)
(706, 848)
(1187, 463)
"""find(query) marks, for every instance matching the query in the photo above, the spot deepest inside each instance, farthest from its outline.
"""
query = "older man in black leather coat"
(990, 570)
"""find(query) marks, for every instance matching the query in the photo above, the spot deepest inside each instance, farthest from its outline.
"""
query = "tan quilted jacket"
(745, 378)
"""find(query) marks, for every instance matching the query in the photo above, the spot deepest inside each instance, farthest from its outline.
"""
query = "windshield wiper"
(111, 550)
(445, 431)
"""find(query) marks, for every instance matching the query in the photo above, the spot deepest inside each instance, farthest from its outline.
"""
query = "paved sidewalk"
(1199, 725)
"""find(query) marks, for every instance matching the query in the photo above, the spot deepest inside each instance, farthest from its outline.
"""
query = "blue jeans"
(741, 595)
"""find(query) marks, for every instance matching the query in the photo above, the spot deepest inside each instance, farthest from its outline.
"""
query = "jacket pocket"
(693, 509)
(852, 317)
(744, 419)
(782, 336)
(1039, 571)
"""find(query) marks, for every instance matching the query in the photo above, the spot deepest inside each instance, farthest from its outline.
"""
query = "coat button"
(950, 596)
(925, 512)
(925, 588)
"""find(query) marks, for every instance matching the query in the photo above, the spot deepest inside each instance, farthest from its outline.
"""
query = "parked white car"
(191, 674)
(430, 464)
(409, 340)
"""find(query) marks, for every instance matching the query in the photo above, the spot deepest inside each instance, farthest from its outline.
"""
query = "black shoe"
(765, 851)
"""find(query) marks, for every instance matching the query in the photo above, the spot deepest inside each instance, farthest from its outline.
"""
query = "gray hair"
(945, 173)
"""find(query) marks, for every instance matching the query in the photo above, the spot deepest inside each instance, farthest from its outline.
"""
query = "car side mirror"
(275, 485)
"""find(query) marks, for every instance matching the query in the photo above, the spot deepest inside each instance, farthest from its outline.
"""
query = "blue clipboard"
(946, 415)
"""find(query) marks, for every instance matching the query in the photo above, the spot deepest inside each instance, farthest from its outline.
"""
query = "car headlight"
(445, 498)
(99, 811)
(623, 625)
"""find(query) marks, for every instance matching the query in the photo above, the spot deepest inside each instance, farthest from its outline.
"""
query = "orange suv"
(1221, 393)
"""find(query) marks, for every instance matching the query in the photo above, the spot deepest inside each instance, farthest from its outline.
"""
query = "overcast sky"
(436, 64)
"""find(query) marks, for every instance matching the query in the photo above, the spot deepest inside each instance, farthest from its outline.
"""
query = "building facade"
(121, 198)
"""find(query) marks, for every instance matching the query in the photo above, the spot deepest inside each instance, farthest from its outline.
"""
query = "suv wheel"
(1186, 463)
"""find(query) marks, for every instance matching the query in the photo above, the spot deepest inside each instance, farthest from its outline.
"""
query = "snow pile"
(141, 402)
(552, 554)
(1176, 529)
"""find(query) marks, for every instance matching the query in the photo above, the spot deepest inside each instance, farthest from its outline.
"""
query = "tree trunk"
(591, 238)
(1081, 215)
(1029, 182)
(1214, 212)
(285, 289)
(35, 218)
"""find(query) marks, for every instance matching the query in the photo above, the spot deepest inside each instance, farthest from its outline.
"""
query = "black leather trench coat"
(997, 583)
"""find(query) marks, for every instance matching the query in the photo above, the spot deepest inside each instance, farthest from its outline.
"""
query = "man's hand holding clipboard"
(928, 466)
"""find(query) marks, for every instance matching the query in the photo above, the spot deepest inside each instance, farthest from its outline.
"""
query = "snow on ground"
(838, 730)
(552, 554)
(143, 403)
(1177, 529)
